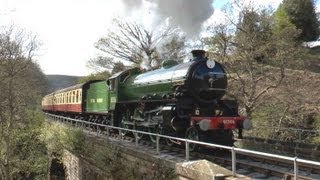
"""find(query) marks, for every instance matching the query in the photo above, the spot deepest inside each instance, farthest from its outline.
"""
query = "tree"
(118, 67)
(218, 44)
(104, 67)
(253, 55)
(173, 49)
(132, 42)
(302, 14)
(281, 20)
(103, 64)
(95, 76)
(20, 79)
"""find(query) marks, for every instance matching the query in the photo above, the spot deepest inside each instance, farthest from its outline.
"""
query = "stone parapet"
(204, 170)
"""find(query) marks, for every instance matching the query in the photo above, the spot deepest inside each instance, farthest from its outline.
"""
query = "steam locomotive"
(185, 100)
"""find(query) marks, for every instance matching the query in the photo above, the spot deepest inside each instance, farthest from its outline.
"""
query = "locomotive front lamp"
(210, 63)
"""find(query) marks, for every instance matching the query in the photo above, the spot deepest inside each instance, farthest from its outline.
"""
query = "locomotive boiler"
(185, 100)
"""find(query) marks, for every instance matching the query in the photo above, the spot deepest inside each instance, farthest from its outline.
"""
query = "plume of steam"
(186, 14)
(132, 4)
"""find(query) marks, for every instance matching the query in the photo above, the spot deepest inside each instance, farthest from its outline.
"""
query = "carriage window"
(73, 96)
(67, 97)
(77, 96)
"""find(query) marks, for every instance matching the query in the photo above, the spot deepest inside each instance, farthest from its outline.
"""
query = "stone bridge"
(104, 159)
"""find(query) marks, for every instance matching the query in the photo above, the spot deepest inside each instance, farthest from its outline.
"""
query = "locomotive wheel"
(154, 130)
(169, 142)
(125, 118)
(139, 135)
(193, 134)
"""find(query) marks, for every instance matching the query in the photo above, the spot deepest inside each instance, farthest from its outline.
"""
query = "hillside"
(294, 104)
(61, 81)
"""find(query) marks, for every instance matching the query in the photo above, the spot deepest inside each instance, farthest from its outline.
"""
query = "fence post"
(97, 130)
(158, 150)
(233, 156)
(120, 135)
(136, 137)
(295, 168)
(187, 150)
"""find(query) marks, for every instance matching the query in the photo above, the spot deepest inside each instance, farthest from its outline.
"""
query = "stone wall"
(77, 168)
(113, 160)
(104, 159)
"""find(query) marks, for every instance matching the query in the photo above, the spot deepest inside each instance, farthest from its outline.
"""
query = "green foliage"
(75, 140)
(22, 83)
(316, 139)
(58, 136)
(29, 154)
(302, 14)
(281, 21)
(108, 158)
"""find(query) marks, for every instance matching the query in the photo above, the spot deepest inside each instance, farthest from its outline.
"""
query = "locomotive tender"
(186, 100)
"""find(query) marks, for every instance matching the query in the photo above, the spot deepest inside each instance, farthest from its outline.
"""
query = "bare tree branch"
(134, 43)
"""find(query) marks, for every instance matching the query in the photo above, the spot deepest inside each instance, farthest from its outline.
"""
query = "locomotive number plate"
(228, 121)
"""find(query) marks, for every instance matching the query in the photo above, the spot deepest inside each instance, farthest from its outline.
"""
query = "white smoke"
(189, 15)
(131, 5)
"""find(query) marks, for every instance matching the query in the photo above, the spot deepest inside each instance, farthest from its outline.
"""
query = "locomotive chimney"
(198, 53)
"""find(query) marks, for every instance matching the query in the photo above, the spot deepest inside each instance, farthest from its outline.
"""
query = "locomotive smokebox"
(198, 53)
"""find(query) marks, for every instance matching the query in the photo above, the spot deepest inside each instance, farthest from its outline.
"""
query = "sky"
(68, 29)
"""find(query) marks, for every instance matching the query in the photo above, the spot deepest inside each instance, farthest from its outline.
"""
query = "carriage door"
(113, 89)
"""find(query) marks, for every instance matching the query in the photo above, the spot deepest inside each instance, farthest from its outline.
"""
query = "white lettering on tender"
(99, 100)
(113, 99)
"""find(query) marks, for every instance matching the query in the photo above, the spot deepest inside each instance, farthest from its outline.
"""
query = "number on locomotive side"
(228, 121)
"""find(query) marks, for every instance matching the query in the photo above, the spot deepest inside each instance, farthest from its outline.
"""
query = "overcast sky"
(68, 29)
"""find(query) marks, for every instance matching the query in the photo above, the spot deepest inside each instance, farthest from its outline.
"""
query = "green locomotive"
(184, 100)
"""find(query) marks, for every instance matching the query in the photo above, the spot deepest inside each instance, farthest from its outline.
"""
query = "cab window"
(112, 83)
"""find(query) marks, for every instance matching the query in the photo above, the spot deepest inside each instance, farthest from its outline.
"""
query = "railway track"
(254, 166)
